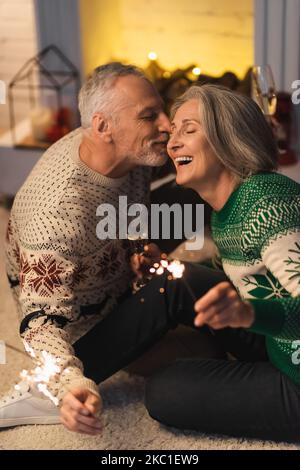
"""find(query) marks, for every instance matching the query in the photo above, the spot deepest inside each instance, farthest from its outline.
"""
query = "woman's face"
(193, 157)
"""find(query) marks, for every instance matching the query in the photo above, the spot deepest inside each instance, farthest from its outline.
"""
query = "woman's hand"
(78, 411)
(141, 263)
(221, 307)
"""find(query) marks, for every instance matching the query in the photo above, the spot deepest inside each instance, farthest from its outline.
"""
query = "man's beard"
(150, 157)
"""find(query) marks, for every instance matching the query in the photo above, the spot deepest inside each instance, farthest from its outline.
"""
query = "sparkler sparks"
(176, 270)
(47, 367)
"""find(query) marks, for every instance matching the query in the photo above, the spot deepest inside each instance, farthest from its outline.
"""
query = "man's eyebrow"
(149, 109)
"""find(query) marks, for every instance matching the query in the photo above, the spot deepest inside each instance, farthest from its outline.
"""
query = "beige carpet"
(128, 425)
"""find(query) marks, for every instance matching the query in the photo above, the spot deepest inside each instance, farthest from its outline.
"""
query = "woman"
(223, 148)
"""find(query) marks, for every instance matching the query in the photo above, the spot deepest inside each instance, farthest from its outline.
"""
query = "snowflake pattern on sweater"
(257, 233)
(64, 279)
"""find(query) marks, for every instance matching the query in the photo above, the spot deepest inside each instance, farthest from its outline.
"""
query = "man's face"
(141, 128)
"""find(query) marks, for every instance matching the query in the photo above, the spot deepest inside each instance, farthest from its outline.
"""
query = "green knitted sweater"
(257, 234)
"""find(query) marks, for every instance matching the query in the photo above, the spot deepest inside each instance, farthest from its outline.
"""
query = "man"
(64, 279)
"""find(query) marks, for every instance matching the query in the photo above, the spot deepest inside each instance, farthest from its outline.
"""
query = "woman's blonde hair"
(235, 128)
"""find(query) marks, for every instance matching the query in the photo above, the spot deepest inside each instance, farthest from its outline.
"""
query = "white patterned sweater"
(56, 265)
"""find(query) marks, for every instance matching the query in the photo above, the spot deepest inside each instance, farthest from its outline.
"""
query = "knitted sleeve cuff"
(269, 317)
(82, 382)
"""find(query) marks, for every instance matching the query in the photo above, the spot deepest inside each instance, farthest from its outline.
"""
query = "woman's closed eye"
(190, 131)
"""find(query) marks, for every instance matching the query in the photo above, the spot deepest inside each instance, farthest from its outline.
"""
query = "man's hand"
(141, 263)
(221, 307)
(78, 411)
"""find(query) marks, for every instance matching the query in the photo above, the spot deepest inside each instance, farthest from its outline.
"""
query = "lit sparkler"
(47, 367)
(176, 269)
(139, 246)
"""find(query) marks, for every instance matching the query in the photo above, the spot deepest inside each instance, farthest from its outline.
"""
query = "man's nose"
(164, 123)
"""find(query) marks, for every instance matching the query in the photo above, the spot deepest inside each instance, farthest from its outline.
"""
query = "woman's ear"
(101, 128)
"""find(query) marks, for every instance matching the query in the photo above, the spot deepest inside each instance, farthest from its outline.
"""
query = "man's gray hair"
(235, 128)
(97, 92)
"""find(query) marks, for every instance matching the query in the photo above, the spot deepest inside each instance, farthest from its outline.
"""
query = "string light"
(196, 71)
(152, 55)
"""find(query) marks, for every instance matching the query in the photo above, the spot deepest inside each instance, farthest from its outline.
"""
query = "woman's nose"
(173, 143)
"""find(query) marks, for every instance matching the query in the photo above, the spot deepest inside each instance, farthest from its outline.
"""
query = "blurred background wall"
(215, 35)
(218, 35)
(18, 41)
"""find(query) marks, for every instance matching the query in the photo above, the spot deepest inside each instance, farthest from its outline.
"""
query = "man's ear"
(102, 127)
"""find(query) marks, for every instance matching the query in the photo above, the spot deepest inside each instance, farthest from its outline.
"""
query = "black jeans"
(248, 397)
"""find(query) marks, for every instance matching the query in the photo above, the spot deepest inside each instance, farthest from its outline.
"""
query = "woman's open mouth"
(180, 161)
